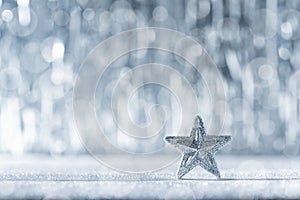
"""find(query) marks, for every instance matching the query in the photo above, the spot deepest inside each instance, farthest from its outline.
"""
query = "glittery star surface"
(198, 149)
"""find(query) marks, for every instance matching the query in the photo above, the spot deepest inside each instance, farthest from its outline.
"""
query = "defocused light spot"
(57, 75)
(88, 14)
(194, 51)
(82, 2)
(31, 58)
(228, 29)
(52, 4)
(148, 37)
(58, 51)
(294, 84)
(290, 20)
(52, 49)
(7, 15)
(286, 30)
(284, 53)
(24, 23)
(29, 130)
(24, 16)
(266, 127)
(198, 9)
(233, 64)
(61, 18)
(203, 8)
(58, 146)
(259, 41)
(120, 4)
(105, 18)
(160, 13)
(265, 72)
(130, 16)
(10, 124)
(23, 3)
(212, 38)
(264, 23)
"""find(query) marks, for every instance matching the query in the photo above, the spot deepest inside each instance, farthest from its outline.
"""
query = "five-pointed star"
(198, 149)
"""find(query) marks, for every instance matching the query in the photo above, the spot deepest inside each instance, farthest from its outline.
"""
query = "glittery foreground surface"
(83, 177)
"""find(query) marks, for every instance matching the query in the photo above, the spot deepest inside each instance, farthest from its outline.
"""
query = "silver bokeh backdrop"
(255, 45)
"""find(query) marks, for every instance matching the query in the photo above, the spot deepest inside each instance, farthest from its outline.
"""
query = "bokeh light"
(255, 46)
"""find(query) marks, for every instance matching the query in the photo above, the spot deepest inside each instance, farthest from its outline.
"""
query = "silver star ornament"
(198, 149)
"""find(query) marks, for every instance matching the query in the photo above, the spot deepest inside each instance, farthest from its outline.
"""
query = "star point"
(198, 149)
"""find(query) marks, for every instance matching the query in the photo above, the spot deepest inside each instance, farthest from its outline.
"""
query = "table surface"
(68, 177)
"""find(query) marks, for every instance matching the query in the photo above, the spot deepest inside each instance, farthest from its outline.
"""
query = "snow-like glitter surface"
(83, 177)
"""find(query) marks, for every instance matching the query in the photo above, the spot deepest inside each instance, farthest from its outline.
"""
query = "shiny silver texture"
(198, 149)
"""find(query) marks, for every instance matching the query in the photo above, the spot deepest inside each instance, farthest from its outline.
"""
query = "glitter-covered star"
(198, 149)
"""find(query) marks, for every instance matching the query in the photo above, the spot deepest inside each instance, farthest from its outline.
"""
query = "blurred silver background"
(253, 43)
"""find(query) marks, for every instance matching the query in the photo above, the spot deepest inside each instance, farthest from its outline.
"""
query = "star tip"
(167, 138)
(218, 175)
(198, 122)
(229, 138)
(180, 173)
(179, 176)
(197, 116)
